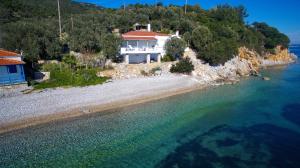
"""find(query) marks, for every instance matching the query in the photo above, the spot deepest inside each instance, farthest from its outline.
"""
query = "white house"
(142, 46)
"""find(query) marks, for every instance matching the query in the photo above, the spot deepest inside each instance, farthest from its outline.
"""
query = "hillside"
(216, 34)
(21, 9)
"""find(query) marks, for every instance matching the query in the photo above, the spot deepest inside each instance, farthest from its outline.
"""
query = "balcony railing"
(141, 50)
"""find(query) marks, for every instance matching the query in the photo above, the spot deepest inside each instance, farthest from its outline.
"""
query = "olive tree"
(110, 46)
(175, 47)
(201, 40)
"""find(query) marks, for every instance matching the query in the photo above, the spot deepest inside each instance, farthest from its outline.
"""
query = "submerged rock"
(266, 78)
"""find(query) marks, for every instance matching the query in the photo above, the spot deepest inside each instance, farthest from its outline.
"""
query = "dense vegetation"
(32, 26)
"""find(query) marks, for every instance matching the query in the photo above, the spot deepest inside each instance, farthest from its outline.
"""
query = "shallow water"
(255, 123)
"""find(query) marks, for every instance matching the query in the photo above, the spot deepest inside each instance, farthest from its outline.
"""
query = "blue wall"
(7, 78)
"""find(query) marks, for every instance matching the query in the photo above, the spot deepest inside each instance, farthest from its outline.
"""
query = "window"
(12, 68)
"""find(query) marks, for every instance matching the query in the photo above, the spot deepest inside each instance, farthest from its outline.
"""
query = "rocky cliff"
(252, 57)
(281, 56)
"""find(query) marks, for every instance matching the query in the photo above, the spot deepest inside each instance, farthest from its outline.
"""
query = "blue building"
(11, 68)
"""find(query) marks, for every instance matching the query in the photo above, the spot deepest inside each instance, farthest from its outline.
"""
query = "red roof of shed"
(8, 53)
(4, 61)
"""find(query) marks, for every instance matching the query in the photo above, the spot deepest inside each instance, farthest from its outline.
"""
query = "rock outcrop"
(281, 56)
(248, 62)
(252, 57)
(227, 73)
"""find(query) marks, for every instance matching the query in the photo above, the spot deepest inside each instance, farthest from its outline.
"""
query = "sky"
(282, 14)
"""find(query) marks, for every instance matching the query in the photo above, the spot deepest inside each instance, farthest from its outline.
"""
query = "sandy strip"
(57, 104)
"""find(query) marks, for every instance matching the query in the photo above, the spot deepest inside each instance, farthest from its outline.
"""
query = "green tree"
(272, 36)
(221, 51)
(187, 36)
(110, 46)
(201, 41)
(184, 26)
(252, 39)
(175, 47)
(214, 48)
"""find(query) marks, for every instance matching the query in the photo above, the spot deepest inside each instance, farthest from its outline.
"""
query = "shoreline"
(93, 109)
(99, 107)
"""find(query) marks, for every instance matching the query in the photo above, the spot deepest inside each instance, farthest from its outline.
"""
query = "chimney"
(149, 27)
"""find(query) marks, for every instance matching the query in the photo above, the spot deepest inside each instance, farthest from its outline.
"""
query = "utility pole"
(72, 23)
(124, 6)
(59, 21)
(185, 6)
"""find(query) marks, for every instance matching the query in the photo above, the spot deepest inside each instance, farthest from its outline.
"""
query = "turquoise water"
(255, 123)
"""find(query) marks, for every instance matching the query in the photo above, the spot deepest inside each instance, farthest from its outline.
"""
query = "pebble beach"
(57, 101)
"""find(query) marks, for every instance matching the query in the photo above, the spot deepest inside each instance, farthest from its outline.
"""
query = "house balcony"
(145, 50)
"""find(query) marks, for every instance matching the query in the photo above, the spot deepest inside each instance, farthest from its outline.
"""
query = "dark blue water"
(254, 123)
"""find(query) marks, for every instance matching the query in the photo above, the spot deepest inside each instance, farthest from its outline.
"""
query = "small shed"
(11, 68)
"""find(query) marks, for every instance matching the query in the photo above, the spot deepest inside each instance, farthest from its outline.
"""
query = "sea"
(252, 124)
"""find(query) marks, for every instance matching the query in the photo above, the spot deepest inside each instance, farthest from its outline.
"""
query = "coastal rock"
(222, 74)
(255, 61)
(252, 57)
(281, 56)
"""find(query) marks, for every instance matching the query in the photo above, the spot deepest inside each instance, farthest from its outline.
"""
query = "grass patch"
(62, 76)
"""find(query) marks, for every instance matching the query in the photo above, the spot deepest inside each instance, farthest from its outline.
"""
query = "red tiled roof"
(143, 33)
(4, 61)
(8, 53)
(139, 38)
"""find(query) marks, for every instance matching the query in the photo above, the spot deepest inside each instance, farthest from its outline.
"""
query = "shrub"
(153, 70)
(144, 73)
(52, 67)
(185, 65)
(62, 75)
(48, 67)
(168, 58)
(70, 60)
